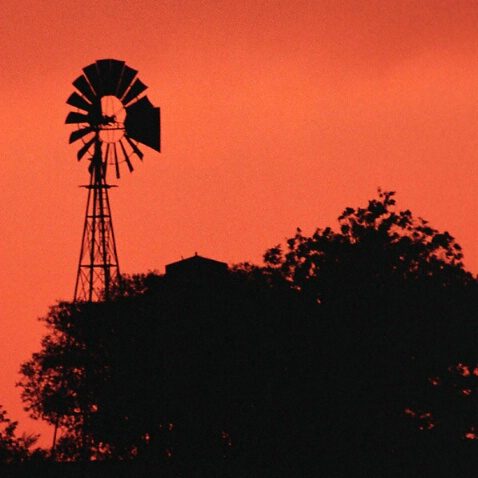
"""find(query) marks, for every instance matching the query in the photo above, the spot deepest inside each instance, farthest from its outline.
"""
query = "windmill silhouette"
(112, 119)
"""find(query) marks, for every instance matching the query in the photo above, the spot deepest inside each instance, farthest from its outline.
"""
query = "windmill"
(112, 119)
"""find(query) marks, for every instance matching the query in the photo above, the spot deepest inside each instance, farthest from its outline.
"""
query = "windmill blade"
(74, 117)
(78, 134)
(85, 148)
(115, 153)
(135, 148)
(76, 100)
(128, 162)
(109, 74)
(136, 89)
(105, 162)
(116, 70)
(95, 115)
(84, 88)
(126, 80)
(103, 70)
(91, 73)
(142, 123)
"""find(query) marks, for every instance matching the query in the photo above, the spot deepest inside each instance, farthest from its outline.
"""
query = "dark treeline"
(348, 353)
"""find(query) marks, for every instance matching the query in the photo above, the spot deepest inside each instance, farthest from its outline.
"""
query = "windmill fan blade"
(103, 69)
(142, 123)
(128, 162)
(126, 80)
(76, 100)
(136, 89)
(109, 73)
(95, 115)
(74, 117)
(116, 161)
(93, 77)
(106, 160)
(85, 148)
(116, 70)
(84, 88)
(78, 134)
(135, 148)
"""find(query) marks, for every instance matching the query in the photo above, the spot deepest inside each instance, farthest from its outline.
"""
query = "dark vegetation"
(348, 353)
(14, 448)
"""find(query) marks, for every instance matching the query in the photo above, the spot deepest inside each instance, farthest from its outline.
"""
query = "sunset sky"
(275, 114)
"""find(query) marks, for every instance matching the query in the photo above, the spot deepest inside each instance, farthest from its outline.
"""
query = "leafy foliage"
(172, 372)
(13, 448)
(348, 350)
(69, 381)
(376, 241)
(398, 313)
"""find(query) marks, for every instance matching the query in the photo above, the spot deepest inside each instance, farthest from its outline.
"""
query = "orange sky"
(275, 114)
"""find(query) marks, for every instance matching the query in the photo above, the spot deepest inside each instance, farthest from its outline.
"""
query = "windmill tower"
(112, 119)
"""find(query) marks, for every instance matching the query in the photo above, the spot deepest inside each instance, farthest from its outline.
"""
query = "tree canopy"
(185, 369)
(349, 349)
(14, 448)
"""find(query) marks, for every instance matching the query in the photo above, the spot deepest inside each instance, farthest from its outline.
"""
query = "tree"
(398, 315)
(186, 372)
(13, 448)
(77, 381)
(348, 350)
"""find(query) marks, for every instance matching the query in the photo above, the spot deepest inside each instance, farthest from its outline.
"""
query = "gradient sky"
(275, 114)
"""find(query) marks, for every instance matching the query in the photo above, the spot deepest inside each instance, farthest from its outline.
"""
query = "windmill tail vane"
(112, 119)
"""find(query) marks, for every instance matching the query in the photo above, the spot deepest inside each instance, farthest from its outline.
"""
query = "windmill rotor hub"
(113, 115)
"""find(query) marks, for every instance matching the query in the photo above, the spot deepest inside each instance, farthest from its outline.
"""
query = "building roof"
(196, 265)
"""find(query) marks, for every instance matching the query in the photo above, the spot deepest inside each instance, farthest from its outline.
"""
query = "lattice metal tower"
(98, 267)
(112, 119)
